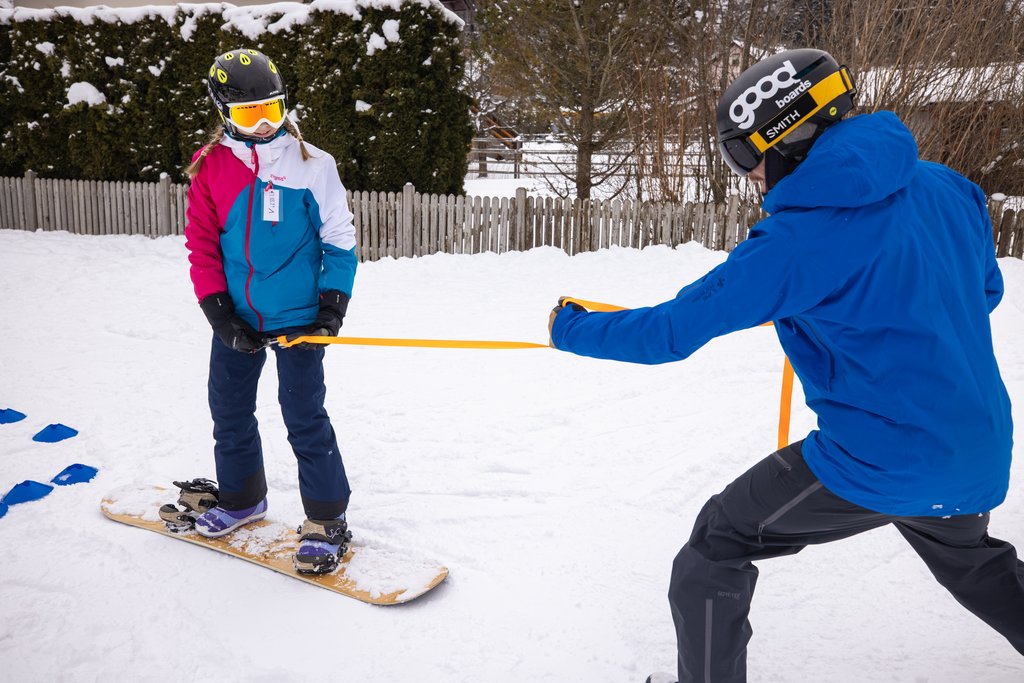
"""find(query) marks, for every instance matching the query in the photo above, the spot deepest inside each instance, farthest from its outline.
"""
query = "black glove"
(229, 326)
(563, 301)
(333, 304)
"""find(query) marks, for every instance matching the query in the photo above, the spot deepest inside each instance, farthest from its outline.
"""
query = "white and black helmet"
(783, 102)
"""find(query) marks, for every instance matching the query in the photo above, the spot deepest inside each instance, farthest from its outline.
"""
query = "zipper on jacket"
(823, 347)
(248, 230)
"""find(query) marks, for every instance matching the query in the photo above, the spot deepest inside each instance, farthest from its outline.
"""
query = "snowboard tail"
(370, 572)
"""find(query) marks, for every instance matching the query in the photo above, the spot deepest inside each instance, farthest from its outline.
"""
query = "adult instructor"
(879, 272)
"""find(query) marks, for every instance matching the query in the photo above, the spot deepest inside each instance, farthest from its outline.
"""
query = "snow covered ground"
(557, 489)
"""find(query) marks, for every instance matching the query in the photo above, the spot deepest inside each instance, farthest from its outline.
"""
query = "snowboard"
(371, 571)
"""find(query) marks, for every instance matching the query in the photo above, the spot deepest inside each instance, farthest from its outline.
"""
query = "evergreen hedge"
(412, 123)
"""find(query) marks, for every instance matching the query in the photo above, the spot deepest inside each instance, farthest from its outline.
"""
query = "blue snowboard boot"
(322, 544)
(217, 521)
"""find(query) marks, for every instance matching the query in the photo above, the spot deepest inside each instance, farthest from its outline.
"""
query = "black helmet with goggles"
(248, 91)
(783, 102)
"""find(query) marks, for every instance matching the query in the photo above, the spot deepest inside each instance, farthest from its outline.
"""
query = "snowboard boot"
(195, 497)
(217, 522)
(322, 544)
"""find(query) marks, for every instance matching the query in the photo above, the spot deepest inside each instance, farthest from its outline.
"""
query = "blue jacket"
(879, 272)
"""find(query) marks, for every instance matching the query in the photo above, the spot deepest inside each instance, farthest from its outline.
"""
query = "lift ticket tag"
(271, 204)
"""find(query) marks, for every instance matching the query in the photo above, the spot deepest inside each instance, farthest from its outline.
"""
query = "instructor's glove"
(333, 304)
(562, 303)
(228, 325)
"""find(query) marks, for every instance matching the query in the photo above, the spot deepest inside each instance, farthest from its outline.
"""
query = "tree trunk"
(585, 152)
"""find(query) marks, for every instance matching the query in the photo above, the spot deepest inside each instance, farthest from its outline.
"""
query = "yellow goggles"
(249, 115)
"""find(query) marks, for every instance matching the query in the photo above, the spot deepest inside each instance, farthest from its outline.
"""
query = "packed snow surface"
(556, 489)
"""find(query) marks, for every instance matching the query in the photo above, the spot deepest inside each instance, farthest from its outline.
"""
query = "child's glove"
(333, 304)
(236, 334)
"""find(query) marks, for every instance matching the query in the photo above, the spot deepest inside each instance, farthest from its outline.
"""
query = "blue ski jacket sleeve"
(879, 272)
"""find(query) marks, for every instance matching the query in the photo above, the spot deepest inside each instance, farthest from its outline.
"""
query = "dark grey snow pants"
(777, 508)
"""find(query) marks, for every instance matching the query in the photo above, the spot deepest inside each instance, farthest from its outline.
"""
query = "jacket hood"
(856, 162)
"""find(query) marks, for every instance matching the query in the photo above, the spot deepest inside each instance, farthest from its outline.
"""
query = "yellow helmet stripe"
(822, 93)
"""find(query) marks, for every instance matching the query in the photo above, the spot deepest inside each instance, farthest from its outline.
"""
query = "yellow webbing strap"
(785, 401)
(785, 398)
(425, 343)
(592, 305)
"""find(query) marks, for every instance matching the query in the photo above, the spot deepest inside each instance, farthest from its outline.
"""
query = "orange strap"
(441, 343)
(592, 305)
(785, 398)
(785, 403)
(427, 343)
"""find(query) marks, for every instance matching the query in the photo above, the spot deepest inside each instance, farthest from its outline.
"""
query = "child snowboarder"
(272, 252)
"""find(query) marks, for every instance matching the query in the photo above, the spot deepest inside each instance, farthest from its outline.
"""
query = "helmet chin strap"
(236, 135)
(777, 166)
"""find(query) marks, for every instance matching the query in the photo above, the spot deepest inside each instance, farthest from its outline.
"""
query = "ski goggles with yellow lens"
(249, 115)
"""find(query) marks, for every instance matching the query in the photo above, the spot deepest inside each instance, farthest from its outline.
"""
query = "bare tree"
(951, 69)
(576, 62)
(645, 78)
(709, 43)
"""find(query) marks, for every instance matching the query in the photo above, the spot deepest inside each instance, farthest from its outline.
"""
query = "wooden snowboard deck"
(271, 545)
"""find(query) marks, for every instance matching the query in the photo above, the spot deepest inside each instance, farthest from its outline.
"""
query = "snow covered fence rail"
(407, 223)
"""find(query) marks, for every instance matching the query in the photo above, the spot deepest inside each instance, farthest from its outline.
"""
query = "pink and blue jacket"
(273, 263)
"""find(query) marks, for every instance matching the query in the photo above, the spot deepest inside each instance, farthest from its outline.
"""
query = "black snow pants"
(779, 507)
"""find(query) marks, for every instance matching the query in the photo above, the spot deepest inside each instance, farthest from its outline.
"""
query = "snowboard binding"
(196, 497)
(334, 532)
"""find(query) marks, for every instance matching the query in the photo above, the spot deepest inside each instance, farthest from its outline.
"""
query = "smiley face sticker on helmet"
(248, 90)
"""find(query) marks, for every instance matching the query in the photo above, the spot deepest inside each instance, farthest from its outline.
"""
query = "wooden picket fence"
(407, 223)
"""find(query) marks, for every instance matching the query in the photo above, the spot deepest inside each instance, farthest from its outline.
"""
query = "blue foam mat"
(3, 509)
(54, 433)
(26, 491)
(74, 474)
(9, 415)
